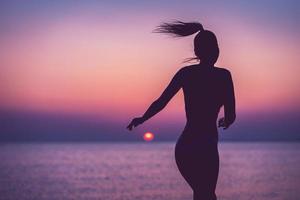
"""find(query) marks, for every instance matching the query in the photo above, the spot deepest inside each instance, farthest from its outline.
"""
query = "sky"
(97, 64)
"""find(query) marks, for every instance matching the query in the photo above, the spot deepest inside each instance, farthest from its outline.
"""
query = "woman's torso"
(203, 88)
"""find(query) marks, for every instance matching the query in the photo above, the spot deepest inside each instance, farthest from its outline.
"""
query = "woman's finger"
(129, 127)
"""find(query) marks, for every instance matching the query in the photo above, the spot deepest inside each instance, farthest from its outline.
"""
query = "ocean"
(140, 171)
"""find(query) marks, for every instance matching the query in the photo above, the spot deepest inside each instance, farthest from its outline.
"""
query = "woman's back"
(205, 92)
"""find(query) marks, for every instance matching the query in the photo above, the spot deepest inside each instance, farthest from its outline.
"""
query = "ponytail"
(206, 46)
(179, 28)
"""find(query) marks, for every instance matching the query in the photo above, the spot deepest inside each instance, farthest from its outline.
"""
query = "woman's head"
(205, 42)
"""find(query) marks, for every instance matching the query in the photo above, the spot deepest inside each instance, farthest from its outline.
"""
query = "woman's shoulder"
(188, 68)
(222, 69)
(225, 72)
(196, 67)
(191, 69)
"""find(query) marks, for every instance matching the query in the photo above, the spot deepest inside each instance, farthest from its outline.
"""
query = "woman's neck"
(206, 64)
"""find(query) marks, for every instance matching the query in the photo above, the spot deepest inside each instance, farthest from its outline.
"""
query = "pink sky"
(118, 67)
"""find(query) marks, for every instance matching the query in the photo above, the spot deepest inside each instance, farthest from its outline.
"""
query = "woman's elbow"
(158, 104)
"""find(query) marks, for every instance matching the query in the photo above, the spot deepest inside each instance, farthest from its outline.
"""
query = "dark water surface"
(140, 171)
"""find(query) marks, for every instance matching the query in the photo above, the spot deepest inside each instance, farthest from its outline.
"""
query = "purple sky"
(80, 70)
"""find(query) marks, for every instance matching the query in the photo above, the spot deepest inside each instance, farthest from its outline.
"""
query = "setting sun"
(148, 136)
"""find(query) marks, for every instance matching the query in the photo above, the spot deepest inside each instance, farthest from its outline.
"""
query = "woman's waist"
(201, 143)
(191, 136)
(200, 127)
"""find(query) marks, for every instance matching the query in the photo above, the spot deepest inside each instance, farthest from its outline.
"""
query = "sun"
(148, 137)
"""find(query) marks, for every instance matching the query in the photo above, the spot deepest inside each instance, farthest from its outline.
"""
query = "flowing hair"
(205, 42)
(179, 28)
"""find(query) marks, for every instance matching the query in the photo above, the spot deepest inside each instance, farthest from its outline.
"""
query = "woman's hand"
(222, 123)
(135, 122)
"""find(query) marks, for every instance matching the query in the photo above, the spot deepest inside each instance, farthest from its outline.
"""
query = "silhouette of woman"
(206, 89)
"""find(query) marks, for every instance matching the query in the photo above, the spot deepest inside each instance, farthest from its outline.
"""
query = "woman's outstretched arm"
(229, 104)
(161, 102)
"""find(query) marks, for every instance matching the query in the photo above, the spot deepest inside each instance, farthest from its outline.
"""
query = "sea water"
(140, 171)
